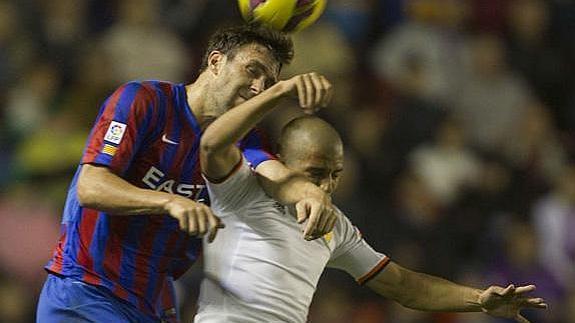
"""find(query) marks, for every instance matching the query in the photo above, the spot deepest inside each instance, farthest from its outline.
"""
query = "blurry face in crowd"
(241, 75)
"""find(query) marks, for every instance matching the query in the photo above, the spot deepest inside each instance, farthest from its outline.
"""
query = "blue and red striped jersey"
(146, 134)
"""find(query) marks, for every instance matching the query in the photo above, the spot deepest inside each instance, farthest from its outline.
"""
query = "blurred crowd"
(458, 118)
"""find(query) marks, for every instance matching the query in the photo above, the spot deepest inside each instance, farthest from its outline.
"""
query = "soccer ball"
(283, 15)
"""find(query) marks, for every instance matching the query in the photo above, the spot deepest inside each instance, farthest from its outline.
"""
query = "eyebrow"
(264, 68)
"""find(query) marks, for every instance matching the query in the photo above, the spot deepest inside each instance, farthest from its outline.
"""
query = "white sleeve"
(234, 192)
(353, 255)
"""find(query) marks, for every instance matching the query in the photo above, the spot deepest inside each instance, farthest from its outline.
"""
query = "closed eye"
(253, 71)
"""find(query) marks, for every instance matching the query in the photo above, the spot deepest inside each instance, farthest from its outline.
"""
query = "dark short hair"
(229, 40)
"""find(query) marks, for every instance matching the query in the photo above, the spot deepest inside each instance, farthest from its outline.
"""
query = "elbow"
(85, 194)
(86, 188)
(208, 146)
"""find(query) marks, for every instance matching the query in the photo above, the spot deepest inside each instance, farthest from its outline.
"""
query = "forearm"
(284, 185)
(233, 125)
(425, 292)
(437, 294)
(100, 189)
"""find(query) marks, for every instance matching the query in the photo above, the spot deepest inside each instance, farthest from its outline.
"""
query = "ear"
(216, 60)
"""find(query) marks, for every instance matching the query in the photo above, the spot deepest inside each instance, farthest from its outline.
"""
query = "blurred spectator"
(491, 98)
(413, 118)
(17, 46)
(353, 18)
(489, 15)
(62, 27)
(518, 261)
(446, 166)
(322, 47)
(535, 153)
(431, 39)
(554, 220)
(30, 100)
(537, 52)
(8, 26)
(52, 151)
(140, 47)
(90, 83)
(28, 227)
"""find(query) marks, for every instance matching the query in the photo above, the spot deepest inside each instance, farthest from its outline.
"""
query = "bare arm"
(428, 293)
(424, 292)
(288, 187)
(99, 188)
(219, 153)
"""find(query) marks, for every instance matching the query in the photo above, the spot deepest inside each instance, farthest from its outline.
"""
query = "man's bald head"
(312, 146)
(309, 132)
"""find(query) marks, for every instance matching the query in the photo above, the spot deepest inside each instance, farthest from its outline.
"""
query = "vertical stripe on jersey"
(57, 261)
(86, 229)
(172, 130)
(127, 267)
(167, 300)
(155, 242)
(98, 247)
(143, 255)
(163, 265)
(114, 251)
(159, 248)
(96, 138)
(135, 135)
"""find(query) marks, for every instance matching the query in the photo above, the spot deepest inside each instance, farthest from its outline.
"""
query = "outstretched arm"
(428, 293)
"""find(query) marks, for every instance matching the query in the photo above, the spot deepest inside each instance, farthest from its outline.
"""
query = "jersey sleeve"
(121, 127)
(237, 191)
(255, 147)
(353, 254)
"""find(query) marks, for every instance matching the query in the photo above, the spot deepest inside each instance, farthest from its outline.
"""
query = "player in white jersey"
(261, 270)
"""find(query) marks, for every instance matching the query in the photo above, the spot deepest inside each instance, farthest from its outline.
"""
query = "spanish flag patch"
(328, 236)
(109, 150)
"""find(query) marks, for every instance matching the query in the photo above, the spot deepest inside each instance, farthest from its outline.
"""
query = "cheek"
(336, 183)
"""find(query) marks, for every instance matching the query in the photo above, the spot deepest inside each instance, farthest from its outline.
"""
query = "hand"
(508, 302)
(320, 214)
(313, 91)
(193, 217)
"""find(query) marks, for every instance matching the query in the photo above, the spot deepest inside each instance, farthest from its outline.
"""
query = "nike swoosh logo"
(168, 141)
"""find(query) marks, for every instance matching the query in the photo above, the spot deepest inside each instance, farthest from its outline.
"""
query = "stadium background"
(458, 118)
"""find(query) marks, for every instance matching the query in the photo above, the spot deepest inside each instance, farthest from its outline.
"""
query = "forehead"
(332, 159)
(258, 53)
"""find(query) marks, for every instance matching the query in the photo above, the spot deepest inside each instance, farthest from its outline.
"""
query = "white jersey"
(259, 268)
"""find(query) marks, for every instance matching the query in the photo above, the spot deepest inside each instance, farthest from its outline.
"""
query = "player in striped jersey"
(138, 199)
(259, 271)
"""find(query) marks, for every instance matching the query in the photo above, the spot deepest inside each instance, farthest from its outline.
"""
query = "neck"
(200, 101)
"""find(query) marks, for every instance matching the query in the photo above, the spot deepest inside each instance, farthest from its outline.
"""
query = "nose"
(327, 185)
(258, 85)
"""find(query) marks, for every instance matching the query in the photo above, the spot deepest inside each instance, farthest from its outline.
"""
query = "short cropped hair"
(229, 40)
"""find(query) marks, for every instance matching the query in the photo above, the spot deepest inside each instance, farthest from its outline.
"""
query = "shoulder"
(149, 88)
